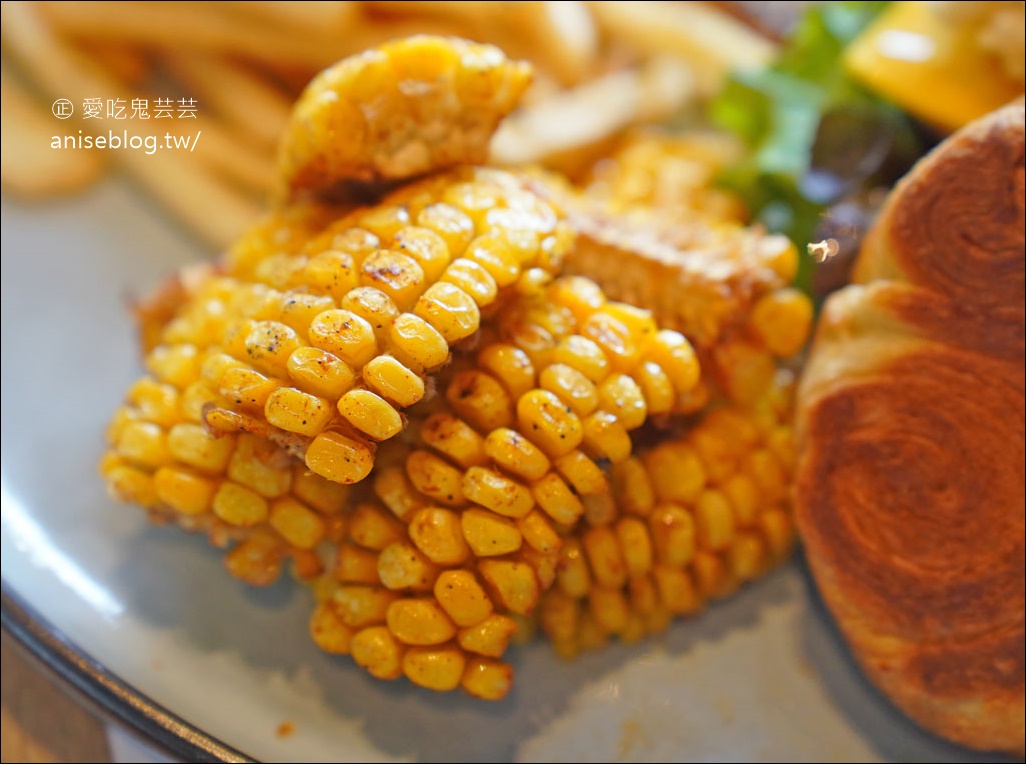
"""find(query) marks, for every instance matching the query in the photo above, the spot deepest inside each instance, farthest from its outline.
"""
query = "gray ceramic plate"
(145, 621)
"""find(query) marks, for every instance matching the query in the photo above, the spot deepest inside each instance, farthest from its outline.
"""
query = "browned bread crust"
(910, 489)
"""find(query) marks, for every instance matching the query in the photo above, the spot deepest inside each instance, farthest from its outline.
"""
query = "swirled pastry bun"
(910, 487)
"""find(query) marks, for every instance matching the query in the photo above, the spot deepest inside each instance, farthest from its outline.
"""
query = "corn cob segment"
(406, 108)
(687, 521)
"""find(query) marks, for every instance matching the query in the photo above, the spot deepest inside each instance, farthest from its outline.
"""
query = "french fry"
(189, 190)
(712, 42)
(300, 16)
(29, 167)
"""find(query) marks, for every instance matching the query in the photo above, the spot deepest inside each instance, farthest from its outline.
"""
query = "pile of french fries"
(601, 69)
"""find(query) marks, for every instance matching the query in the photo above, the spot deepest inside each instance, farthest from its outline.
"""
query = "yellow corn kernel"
(496, 492)
(768, 475)
(747, 556)
(480, 400)
(620, 395)
(491, 252)
(359, 606)
(417, 344)
(260, 465)
(268, 346)
(256, 560)
(246, 388)
(656, 387)
(143, 443)
(393, 487)
(712, 579)
(777, 528)
(745, 370)
(488, 534)
(329, 632)
(488, 637)
(345, 335)
(373, 527)
(643, 593)
(714, 520)
(419, 622)
(673, 535)
(129, 484)
(677, 592)
(299, 309)
(573, 388)
(559, 616)
(376, 650)
(450, 310)
(573, 575)
(401, 565)
(733, 426)
(581, 295)
(320, 373)
(435, 478)
(514, 584)
(297, 523)
(676, 472)
(339, 458)
(619, 345)
(183, 491)
(743, 494)
(370, 414)
(154, 401)
(177, 365)
(635, 545)
(435, 668)
(326, 497)
(331, 272)
(781, 320)
(454, 438)
(237, 505)
(676, 357)
(605, 558)
(473, 279)
(538, 532)
(609, 609)
(463, 598)
(391, 380)
(373, 306)
(633, 488)
(194, 398)
(582, 354)
(356, 565)
(510, 365)
(426, 247)
(586, 477)
(516, 454)
(437, 532)
(549, 423)
(450, 223)
(554, 496)
(605, 437)
(395, 274)
(296, 411)
(487, 680)
(780, 443)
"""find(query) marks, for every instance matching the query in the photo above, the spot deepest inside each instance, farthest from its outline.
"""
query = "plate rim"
(103, 690)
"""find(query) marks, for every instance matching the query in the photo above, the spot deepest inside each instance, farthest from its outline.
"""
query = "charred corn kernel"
(257, 560)
(489, 637)
(144, 444)
(677, 592)
(438, 533)
(339, 458)
(296, 411)
(358, 606)
(572, 387)
(496, 492)
(184, 491)
(516, 454)
(606, 437)
(417, 344)
(582, 354)
(376, 650)
(480, 400)
(714, 520)
(320, 373)
(605, 560)
(549, 422)
(356, 565)
(373, 527)
(781, 320)
(260, 465)
(297, 523)
(510, 365)
(488, 534)
(370, 414)
(513, 583)
(633, 488)
(154, 402)
(450, 310)
(487, 679)
(268, 346)
(401, 565)
(396, 275)
(344, 334)
(435, 478)
(419, 622)
(539, 533)
(246, 389)
(324, 496)
(396, 492)
(586, 477)
(609, 609)
(177, 365)
(635, 545)
(438, 668)
(676, 472)
(391, 380)
(455, 439)
(673, 535)
(554, 496)
(237, 505)
(463, 598)
(329, 632)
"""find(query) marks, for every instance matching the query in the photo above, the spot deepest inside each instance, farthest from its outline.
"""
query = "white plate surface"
(761, 677)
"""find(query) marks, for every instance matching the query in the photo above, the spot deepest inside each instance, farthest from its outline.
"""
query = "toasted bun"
(910, 487)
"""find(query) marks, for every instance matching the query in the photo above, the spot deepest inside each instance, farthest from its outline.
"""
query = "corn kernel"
(605, 437)
(402, 566)
(449, 222)
(393, 487)
(331, 272)
(437, 532)
(677, 592)
(345, 335)
(246, 388)
(549, 423)
(496, 492)
(154, 401)
(144, 443)
(269, 345)
(455, 439)
(673, 535)
(426, 247)
(373, 527)
(572, 387)
(480, 400)
(326, 497)
(370, 414)
(339, 458)
(586, 477)
(438, 669)
(358, 606)
(513, 583)
(177, 365)
(633, 487)
(240, 506)
(489, 637)
(298, 310)
(510, 365)
(260, 465)
(781, 320)
(609, 609)
(488, 534)
(450, 310)
(256, 560)
(714, 520)
(538, 532)
(605, 559)
(183, 491)
(463, 597)
(584, 355)
(516, 454)
(676, 357)
(297, 523)
(557, 500)
(329, 632)
(320, 373)
(393, 381)
(487, 680)
(676, 472)
(378, 651)
(356, 565)
(435, 478)
(296, 411)
(419, 622)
